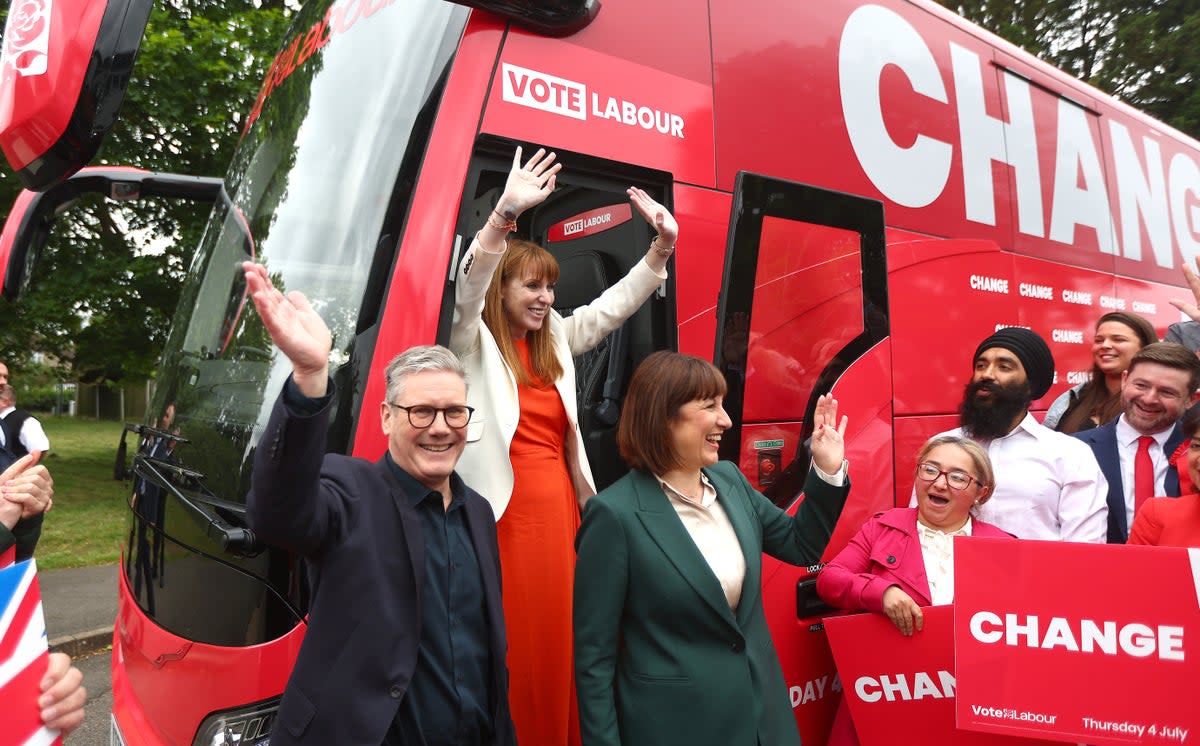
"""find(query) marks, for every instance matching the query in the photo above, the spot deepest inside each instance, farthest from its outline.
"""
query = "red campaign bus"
(864, 191)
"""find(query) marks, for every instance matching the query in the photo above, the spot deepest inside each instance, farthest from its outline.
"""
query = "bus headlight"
(241, 726)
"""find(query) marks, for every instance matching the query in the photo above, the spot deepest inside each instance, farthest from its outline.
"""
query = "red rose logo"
(26, 23)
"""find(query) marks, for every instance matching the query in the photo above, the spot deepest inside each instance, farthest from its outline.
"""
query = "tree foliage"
(106, 286)
(1145, 52)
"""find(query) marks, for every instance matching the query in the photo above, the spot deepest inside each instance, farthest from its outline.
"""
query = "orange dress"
(537, 562)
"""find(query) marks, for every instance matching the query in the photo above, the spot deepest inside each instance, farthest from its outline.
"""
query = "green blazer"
(660, 658)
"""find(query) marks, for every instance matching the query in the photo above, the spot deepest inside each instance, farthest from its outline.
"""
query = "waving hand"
(1192, 309)
(295, 327)
(828, 438)
(656, 215)
(527, 185)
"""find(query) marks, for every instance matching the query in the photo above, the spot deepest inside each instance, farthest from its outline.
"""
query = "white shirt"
(1048, 486)
(32, 436)
(1127, 448)
(937, 549)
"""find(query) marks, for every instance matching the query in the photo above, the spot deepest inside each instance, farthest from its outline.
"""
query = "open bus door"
(804, 312)
(590, 228)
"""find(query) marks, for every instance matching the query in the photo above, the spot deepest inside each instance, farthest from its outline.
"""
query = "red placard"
(1077, 642)
(898, 687)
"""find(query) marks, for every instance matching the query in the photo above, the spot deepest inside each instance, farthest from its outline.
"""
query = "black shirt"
(447, 702)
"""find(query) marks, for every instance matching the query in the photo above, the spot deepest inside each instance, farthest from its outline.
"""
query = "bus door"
(804, 312)
(591, 228)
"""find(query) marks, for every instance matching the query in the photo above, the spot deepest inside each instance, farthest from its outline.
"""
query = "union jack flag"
(22, 658)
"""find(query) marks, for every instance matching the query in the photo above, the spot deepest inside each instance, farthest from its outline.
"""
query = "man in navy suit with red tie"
(1133, 449)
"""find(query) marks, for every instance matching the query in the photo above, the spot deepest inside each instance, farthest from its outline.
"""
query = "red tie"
(1143, 474)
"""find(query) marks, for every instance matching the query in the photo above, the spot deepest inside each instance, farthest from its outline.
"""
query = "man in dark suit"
(1133, 450)
(405, 640)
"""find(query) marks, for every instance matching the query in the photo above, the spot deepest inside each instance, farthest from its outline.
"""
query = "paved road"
(98, 679)
(78, 600)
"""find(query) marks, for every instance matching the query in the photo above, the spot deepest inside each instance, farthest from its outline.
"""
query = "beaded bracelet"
(500, 223)
(660, 249)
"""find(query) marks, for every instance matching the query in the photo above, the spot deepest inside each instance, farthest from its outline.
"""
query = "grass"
(89, 517)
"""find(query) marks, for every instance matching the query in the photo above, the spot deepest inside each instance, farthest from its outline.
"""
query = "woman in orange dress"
(524, 451)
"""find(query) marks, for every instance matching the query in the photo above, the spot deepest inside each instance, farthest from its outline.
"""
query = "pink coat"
(886, 551)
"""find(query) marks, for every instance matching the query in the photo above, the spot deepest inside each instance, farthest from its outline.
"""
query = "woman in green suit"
(671, 643)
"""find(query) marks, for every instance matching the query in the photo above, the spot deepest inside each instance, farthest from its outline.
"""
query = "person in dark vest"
(28, 490)
(20, 431)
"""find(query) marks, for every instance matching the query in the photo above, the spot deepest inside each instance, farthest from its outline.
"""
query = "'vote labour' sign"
(901, 688)
(1089, 643)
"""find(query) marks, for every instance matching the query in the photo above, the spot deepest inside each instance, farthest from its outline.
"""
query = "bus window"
(596, 236)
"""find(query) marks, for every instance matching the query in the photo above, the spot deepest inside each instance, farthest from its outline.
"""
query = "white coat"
(492, 389)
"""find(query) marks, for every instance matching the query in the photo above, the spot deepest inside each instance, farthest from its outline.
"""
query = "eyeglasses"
(959, 480)
(422, 416)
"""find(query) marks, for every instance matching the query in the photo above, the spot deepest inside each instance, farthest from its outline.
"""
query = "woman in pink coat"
(903, 559)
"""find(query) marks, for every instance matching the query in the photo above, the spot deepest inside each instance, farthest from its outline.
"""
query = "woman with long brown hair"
(524, 450)
(1119, 335)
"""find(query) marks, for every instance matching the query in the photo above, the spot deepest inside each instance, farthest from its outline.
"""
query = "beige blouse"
(937, 549)
(708, 525)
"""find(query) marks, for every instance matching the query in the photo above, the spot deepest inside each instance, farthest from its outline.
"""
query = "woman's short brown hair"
(663, 383)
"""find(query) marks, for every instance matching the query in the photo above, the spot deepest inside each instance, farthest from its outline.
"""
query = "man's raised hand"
(296, 329)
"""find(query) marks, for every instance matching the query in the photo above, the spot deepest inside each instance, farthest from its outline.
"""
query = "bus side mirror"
(32, 214)
(63, 77)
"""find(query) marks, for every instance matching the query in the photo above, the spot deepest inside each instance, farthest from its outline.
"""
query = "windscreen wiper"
(239, 541)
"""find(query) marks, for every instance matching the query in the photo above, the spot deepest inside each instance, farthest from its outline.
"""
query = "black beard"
(987, 419)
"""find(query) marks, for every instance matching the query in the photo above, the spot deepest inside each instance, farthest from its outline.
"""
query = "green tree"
(106, 286)
(1146, 53)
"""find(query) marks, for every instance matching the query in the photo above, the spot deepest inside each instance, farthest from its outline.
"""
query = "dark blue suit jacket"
(1103, 441)
(365, 555)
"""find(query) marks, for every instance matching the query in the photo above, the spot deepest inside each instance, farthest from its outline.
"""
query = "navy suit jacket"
(1103, 441)
(365, 555)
